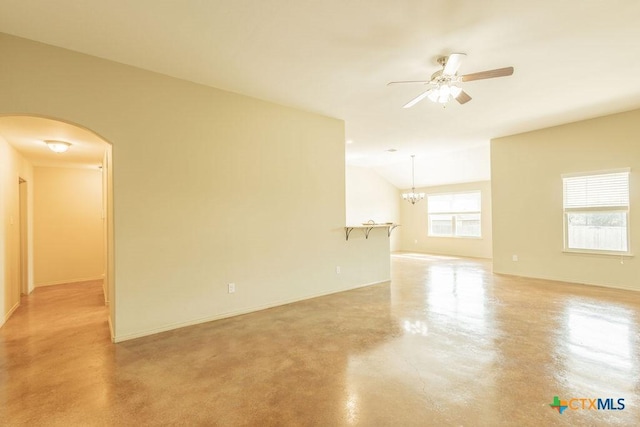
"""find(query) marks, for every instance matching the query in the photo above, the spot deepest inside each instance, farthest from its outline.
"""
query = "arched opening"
(57, 211)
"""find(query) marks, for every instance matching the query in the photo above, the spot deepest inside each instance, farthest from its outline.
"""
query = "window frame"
(454, 215)
(596, 209)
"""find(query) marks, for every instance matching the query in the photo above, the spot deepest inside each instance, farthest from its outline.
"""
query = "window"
(454, 214)
(596, 212)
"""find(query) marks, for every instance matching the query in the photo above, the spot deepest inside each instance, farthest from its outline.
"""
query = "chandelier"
(413, 197)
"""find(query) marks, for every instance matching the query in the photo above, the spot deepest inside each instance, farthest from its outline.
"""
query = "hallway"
(446, 343)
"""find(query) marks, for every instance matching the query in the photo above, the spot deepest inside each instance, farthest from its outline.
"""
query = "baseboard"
(569, 282)
(64, 282)
(228, 314)
(113, 336)
(402, 252)
(10, 312)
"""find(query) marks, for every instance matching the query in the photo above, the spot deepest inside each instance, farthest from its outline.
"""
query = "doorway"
(51, 181)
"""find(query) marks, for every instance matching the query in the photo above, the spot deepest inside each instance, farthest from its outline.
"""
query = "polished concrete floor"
(446, 343)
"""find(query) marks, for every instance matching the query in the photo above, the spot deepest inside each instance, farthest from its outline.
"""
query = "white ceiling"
(573, 59)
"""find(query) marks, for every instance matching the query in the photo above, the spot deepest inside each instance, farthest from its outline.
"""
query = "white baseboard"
(171, 326)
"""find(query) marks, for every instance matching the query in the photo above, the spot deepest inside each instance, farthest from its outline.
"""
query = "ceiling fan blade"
(408, 81)
(453, 63)
(417, 99)
(489, 74)
(463, 97)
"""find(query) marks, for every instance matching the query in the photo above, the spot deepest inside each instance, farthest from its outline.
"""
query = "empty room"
(277, 213)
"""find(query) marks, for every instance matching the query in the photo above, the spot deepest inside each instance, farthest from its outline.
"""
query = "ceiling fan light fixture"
(57, 146)
(434, 94)
(443, 81)
(444, 93)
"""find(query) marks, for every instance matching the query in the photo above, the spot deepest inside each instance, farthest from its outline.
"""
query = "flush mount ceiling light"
(413, 197)
(58, 146)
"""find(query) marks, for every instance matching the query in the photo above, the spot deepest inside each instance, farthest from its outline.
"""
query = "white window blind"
(596, 212)
(454, 202)
(596, 191)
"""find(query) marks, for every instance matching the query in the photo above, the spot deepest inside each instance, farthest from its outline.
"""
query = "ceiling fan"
(443, 82)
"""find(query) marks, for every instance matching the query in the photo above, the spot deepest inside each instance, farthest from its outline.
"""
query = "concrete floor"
(446, 343)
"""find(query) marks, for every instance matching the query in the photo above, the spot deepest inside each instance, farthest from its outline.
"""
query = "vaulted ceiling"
(573, 59)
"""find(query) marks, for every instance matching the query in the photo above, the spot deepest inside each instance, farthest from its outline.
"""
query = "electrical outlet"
(232, 288)
(514, 257)
(338, 269)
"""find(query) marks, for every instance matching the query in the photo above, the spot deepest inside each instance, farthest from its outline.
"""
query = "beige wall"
(209, 187)
(414, 228)
(12, 167)
(68, 225)
(371, 197)
(527, 198)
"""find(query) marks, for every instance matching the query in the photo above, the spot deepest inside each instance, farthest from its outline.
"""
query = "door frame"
(23, 223)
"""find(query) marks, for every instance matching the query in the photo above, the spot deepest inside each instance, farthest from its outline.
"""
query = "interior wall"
(12, 167)
(68, 225)
(415, 224)
(209, 188)
(109, 279)
(371, 197)
(528, 206)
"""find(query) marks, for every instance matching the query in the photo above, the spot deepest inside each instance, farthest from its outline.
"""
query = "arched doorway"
(57, 208)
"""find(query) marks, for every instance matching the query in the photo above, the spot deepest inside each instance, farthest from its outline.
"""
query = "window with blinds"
(596, 212)
(454, 214)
